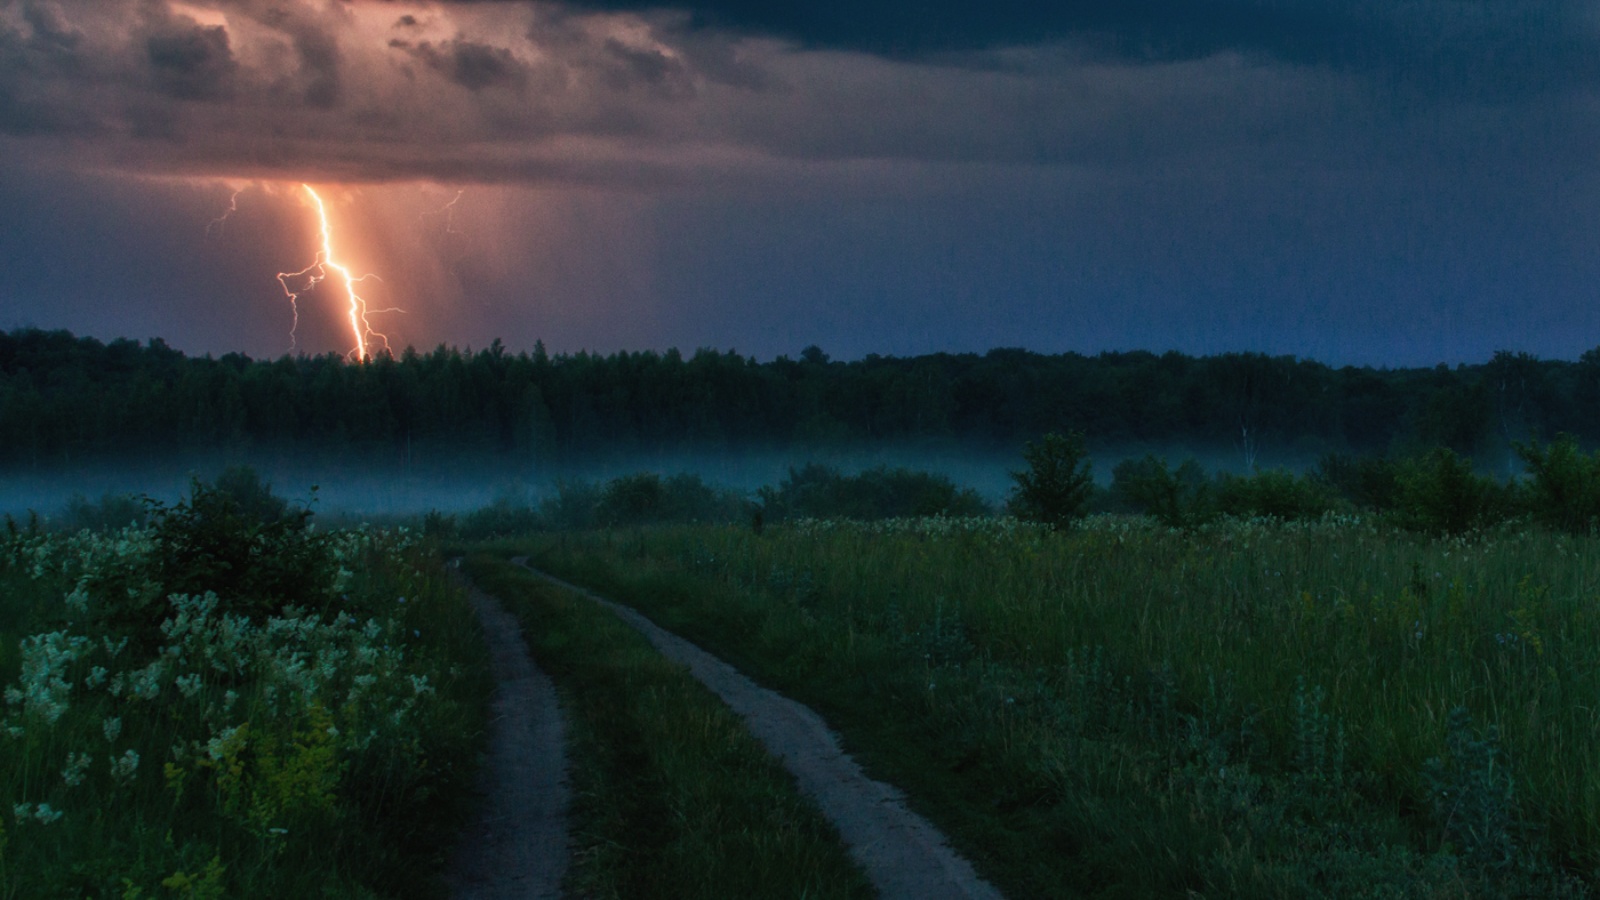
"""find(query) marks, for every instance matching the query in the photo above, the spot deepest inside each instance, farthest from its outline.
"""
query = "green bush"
(1441, 494)
(821, 492)
(1178, 499)
(1368, 483)
(233, 538)
(1274, 493)
(1564, 488)
(1056, 484)
(109, 513)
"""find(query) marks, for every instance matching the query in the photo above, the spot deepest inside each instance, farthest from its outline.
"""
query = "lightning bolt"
(217, 224)
(360, 327)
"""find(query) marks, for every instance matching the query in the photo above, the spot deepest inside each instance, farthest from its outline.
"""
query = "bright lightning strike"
(314, 274)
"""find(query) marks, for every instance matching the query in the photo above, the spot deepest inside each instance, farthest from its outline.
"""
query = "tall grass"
(1249, 708)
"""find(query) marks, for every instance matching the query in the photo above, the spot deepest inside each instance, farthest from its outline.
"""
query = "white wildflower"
(77, 767)
(111, 728)
(46, 815)
(229, 699)
(188, 685)
(147, 681)
(97, 677)
(123, 768)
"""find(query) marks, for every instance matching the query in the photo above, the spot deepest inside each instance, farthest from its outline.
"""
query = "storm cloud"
(1356, 179)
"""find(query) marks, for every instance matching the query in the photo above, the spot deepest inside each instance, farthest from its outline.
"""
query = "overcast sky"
(1389, 182)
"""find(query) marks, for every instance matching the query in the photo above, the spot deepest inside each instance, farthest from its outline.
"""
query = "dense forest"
(67, 401)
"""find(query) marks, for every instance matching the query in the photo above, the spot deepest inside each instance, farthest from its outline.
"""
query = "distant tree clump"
(1056, 484)
(819, 491)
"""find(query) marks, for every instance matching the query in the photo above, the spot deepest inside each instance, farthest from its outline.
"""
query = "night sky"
(1355, 181)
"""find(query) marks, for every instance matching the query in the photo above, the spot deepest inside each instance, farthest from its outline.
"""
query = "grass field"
(1246, 709)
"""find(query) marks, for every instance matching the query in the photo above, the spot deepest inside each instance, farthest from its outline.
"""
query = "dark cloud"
(472, 65)
(1440, 45)
(656, 71)
(190, 61)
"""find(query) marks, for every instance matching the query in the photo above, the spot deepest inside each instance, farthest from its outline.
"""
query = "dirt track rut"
(518, 847)
(902, 853)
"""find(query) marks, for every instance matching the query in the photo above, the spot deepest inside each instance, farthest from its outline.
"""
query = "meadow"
(1250, 707)
(230, 702)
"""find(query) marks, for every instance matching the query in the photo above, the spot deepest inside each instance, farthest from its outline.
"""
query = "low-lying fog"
(347, 490)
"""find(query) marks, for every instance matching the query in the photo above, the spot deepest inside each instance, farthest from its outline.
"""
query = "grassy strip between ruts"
(672, 796)
(1250, 711)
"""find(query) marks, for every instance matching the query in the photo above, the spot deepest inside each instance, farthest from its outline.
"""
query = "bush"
(1440, 493)
(1564, 492)
(1056, 484)
(1276, 493)
(821, 492)
(1178, 499)
(1369, 483)
(510, 514)
(236, 539)
(111, 512)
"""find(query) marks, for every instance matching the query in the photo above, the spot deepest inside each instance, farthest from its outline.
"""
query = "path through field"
(518, 846)
(902, 853)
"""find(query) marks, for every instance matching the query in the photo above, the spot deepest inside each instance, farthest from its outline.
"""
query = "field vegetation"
(1350, 705)
(225, 701)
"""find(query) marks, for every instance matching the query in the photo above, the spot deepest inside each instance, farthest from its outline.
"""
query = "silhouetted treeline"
(68, 400)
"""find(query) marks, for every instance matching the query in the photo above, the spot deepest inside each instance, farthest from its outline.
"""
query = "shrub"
(1370, 483)
(111, 512)
(233, 538)
(1440, 493)
(631, 500)
(1178, 499)
(821, 492)
(510, 513)
(1272, 492)
(1056, 484)
(1564, 491)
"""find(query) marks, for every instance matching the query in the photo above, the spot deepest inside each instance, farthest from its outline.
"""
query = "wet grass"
(672, 796)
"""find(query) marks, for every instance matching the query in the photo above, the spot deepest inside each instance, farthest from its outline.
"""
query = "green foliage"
(111, 512)
(1564, 491)
(1371, 483)
(1057, 483)
(1246, 708)
(1440, 493)
(1473, 797)
(821, 492)
(66, 400)
(1178, 499)
(1273, 493)
(220, 749)
(648, 498)
(234, 538)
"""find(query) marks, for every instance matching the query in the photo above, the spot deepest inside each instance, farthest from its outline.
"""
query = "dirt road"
(902, 853)
(518, 847)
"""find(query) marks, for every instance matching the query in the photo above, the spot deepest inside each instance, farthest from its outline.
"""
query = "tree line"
(67, 400)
